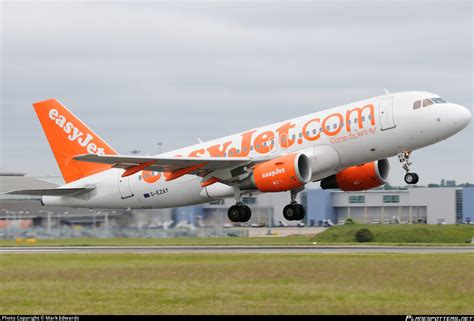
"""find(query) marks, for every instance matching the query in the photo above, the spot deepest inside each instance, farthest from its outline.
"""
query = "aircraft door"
(124, 186)
(386, 113)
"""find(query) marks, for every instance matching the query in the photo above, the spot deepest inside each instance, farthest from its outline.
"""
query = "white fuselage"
(333, 139)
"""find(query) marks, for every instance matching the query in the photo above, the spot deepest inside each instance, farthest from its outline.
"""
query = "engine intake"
(359, 178)
(280, 174)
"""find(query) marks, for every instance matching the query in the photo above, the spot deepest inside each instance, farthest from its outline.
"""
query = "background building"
(414, 205)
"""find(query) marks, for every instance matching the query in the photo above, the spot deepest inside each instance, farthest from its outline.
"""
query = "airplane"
(345, 147)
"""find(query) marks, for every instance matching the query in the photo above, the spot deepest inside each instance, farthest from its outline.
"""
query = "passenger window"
(334, 126)
(348, 122)
(314, 131)
(363, 118)
(427, 102)
(417, 104)
(355, 120)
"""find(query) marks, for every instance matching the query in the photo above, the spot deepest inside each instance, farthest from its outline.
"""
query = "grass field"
(395, 233)
(384, 235)
(171, 241)
(236, 284)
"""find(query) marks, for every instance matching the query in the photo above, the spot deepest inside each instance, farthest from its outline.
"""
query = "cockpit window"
(427, 102)
(439, 100)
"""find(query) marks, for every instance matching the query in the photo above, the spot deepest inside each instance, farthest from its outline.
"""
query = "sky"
(141, 73)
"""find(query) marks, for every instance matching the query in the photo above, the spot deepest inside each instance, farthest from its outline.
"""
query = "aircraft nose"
(462, 116)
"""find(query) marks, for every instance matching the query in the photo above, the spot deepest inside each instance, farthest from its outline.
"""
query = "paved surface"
(240, 249)
(284, 231)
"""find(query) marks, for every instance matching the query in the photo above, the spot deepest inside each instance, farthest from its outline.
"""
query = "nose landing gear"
(294, 211)
(404, 158)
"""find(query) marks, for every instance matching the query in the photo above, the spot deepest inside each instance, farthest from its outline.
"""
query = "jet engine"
(280, 174)
(360, 177)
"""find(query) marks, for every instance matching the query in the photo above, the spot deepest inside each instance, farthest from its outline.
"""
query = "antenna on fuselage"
(386, 91)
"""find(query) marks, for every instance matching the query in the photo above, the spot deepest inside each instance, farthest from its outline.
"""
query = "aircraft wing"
(164, 164)
(50, 191)
(175, 166)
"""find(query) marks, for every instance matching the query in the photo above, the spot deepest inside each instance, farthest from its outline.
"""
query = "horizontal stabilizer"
(50, 191)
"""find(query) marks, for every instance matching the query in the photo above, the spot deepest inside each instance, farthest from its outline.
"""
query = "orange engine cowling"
(280, 174)
(360, 177)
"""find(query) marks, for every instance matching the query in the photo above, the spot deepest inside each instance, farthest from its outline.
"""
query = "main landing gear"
(242, 213)
(239, 212)
(294, 211)
(404, 158)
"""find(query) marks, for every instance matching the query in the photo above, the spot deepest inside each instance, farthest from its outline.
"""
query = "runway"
(240, 249)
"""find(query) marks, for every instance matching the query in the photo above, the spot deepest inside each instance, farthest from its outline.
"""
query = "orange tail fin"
(69, 137)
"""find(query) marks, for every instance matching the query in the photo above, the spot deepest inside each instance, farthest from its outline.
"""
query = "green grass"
(236, 283)
(384, 235)
(178, 241)
(394, 233)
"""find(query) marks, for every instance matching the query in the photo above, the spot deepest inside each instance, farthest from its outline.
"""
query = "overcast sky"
(143, 73)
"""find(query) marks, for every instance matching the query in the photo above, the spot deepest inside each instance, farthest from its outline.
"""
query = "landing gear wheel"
(301, 212)
(248, 213)
(411, 178)
(236, 213)
(291, 212)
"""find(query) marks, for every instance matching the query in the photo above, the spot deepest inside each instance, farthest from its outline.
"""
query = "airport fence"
(71, 232)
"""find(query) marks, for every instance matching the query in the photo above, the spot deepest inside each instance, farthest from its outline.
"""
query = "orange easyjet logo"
(74, 134)
(274, 173)
(330, 125)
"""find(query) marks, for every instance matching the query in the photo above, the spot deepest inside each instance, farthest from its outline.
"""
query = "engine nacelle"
(359, 178)
(280, 174)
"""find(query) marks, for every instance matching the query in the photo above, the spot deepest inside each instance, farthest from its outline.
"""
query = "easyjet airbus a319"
(345, 147)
